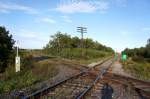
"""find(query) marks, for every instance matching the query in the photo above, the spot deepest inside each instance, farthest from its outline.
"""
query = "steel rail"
(46, 89)
(99, 77)
(139, 91)
(130, 78)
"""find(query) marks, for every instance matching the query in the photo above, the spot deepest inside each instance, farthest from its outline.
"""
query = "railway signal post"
(124, 58)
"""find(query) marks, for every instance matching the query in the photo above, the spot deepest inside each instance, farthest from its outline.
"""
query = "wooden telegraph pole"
(82, 30)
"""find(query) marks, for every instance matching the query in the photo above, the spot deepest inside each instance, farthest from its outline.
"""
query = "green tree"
(6, 48)
(139, 54)
(75, 42)
(60, 42)
(88, 43)
(148, 43)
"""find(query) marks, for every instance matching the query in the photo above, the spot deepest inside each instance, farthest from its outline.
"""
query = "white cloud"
(76, 7)
(83, 7)
(48, 20)
(102, 6)
(9, 7)
(31, 34)
(66, 19)
(25, 38)
(31, 39)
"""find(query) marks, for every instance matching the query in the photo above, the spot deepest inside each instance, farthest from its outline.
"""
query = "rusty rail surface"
(141, 87)
(137, 85)
(90, 83)
(46, 89)
(100, 75)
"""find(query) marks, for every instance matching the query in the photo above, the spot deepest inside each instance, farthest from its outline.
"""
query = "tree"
(75, 42)
(138, 54)
(88, 43)
(6, 48)
(148, 43)
(60, 42)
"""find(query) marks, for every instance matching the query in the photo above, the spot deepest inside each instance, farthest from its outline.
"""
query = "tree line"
(63, 45)
(58, 42)
(63, 40)
(139, 54)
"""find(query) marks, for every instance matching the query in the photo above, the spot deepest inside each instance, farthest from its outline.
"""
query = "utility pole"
(58, 41)
(82, 30)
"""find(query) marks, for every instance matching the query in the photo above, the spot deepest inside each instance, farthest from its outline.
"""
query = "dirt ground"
(118, 69)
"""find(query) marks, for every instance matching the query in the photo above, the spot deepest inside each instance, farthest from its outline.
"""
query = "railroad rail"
(142, 88)
(123, 88)
(95, 83)
(79, 83)
(99, 77)
(129, 88)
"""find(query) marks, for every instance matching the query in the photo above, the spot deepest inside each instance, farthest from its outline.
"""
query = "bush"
(76, 53)
(139, 70)
(27, 62)
(138, 59)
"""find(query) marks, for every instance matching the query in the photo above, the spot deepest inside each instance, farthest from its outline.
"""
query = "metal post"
(58, 47)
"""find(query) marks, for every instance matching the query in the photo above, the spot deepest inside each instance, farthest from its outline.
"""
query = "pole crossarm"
(82, 30)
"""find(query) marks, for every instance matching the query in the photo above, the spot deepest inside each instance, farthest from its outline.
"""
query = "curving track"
(96, 83)
(73, 86)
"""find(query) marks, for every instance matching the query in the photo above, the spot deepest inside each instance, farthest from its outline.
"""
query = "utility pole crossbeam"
(82, 30)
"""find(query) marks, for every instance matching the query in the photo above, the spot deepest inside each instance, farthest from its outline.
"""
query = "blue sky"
(115, 23)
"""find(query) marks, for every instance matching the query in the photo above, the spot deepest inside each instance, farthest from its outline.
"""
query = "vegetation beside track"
(60, 48)
(139, 70)
(65, 46)
(29, 75)
(33, 72)
(138, 63)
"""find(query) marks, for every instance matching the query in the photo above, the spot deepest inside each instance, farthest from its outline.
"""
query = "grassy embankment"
(138, 68)
(33, 72)
(75, 54)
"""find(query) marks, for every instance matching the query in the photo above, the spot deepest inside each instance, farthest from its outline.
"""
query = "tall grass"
(33, 72)
(78, 53)
(140, 70)
(30, 74)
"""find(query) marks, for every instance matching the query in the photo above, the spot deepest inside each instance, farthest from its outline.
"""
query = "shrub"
(138, 59)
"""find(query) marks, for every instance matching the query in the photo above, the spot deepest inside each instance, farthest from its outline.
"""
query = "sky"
(118, 24)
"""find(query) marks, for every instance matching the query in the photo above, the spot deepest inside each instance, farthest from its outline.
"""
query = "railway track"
(74, 86)
(96, 83)
(141, 88)
(121, 89)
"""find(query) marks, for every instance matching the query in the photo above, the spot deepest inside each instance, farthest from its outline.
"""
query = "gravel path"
(117, 69)
(64, 72)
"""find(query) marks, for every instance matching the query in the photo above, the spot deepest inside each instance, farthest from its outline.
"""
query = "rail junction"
(97, 82)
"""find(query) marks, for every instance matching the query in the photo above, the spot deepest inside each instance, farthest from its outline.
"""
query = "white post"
(17, 59)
